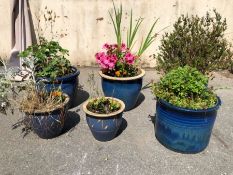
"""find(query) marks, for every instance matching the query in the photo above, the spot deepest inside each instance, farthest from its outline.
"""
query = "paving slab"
(135, 151)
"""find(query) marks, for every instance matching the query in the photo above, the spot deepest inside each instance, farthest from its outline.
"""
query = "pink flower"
(129, 58)
(100, 56)
(123, 47)
(103, 66)
(111, 55)
(114, 46)
(112, 61)
(106, 61)
(106, 46)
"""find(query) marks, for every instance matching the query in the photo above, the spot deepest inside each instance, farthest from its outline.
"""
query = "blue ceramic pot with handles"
(48, 124)
(67, 83)
(126, 89)
(184, 130)
(104, 127)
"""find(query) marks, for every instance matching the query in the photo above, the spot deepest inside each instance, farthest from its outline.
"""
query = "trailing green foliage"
(185, 87)
(48, 59)
(103, 105)
(198, 42)
(5, 86)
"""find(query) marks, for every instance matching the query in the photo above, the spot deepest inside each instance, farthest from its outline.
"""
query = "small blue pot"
(48, 125)
(104, 127)
(184, 130)
(67, 83)
(126, 89)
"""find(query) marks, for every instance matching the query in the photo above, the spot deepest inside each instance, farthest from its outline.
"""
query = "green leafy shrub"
(103, 105)
(8, 89)
(231, 68)
(185, 87)
(48, 58)
(196, 41)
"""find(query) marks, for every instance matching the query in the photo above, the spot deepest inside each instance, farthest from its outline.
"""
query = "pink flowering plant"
(117, 59)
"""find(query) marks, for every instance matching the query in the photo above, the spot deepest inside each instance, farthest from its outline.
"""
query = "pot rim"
(123, 78)
(122, 108)
(60, 106)
(214, 108)
(75, 73)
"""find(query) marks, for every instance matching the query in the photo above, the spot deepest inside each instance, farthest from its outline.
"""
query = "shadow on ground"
(152, 118)
(80, 96)
(141, 98)
(123, 126)
(71, 121)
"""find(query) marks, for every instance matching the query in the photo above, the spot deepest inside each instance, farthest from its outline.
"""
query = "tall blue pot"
(184, 130)
(126, 89)
(104, 127)
(48, 124)
(67, 83)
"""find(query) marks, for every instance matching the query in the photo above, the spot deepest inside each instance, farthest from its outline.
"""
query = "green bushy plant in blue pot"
(47, 59)
(186, 110)
(120, 73)
(49, 64)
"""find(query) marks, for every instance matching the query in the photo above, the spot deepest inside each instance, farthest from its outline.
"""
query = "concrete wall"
(86, 34)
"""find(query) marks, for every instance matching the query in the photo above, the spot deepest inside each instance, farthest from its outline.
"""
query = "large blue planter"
(184, 130)
(67, 83)
(48, 125)
(126, 89)
(104, 127)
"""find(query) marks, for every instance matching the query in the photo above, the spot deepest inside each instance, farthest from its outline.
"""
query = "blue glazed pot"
(67, 83)
(104, 127)
(126, 89)
(184, 130)
(48, 125)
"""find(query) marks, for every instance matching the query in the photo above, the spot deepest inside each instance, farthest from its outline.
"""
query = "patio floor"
(133, 152)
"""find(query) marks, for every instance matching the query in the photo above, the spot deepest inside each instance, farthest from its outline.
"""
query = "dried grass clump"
(41, 101)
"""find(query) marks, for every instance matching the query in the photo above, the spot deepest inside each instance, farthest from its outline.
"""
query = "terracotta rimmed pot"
(67, 83)
(126, 89)
(49, 124)
(184, 130)
(104, 127)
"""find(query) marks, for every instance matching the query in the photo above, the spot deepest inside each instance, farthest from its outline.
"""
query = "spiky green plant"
(150, 38)
(132, 31)
(116, 20)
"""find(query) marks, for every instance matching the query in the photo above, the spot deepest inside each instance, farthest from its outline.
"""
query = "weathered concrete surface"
(134, 151)
(89, 27)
